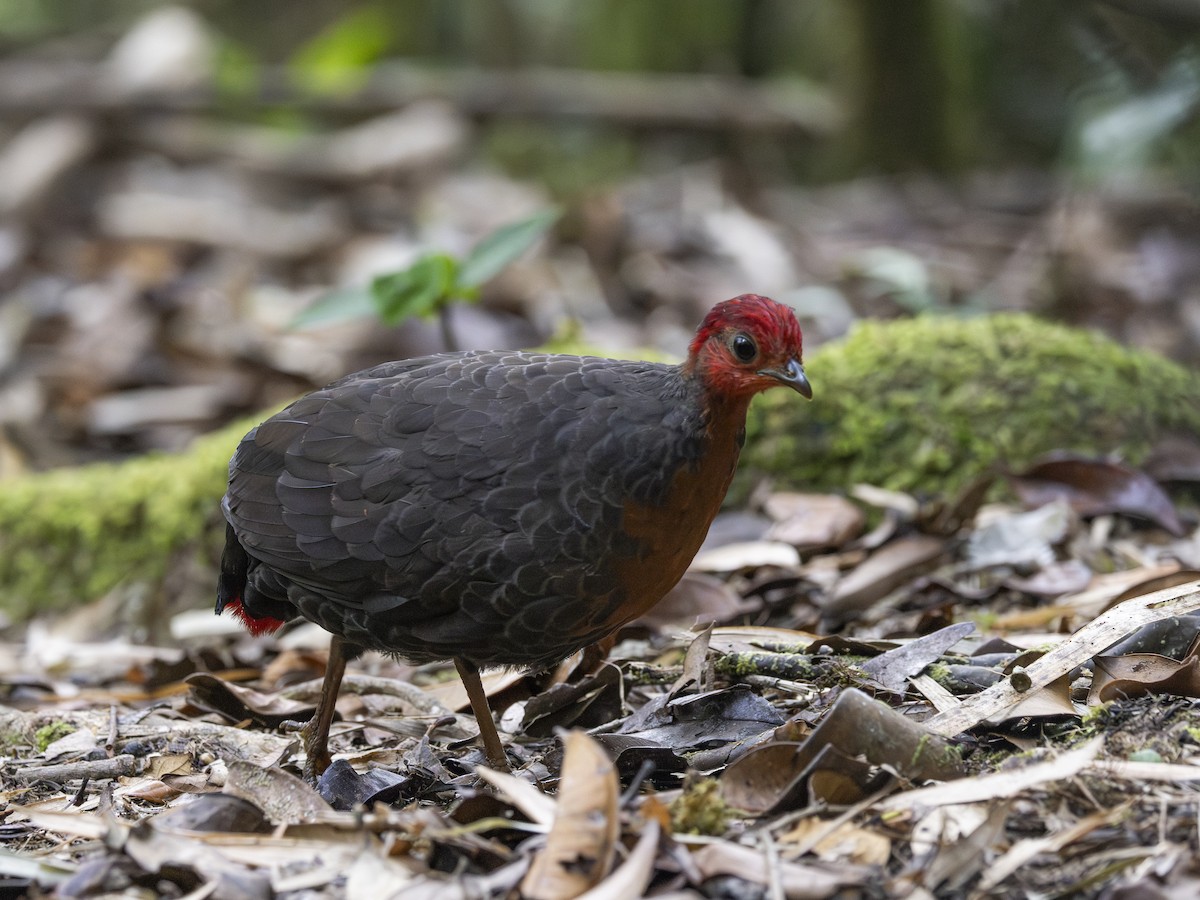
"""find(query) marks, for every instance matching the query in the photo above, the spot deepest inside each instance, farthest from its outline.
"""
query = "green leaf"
(420, 290)
(338, 60)
(335, 307)
(503, 246)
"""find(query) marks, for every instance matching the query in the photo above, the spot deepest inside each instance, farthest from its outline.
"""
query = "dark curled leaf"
(705, 720)
(344, 788)
(592, 701)
(237, 703)
(1095, 487)
(1138, 674)
(773, 777)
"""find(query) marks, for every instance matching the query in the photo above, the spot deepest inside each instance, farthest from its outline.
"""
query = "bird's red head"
(746, 345)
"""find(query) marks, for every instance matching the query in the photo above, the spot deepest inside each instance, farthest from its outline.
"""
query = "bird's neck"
(671, 531)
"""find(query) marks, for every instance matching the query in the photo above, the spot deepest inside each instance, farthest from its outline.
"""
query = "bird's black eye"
(744, 347)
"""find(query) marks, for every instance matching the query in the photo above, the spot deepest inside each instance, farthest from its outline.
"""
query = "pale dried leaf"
(748, 555)
(375, 877)
(580, 847)
(630, 879)
(997, 785)
(798, 880)
(81, 741)
(1020, 538)
(524, 796)
(846, 842)
(698, 599)
(810, 521)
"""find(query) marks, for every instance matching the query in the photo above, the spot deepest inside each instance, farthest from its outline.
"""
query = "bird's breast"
(670, 533)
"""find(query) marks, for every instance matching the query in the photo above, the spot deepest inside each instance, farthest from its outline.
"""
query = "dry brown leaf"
(884, 571)
(237, 702)
(582, 841)
(283, 797)
(780, 775)
(894, 667)
(149, 789)
(1053, 699)
(1138, 674)
(746, 555)
(80, 741)
(1066, 577)
(846, 842)
(957, 862)
(813, 521)
(695, 664)
(697, 599)
(631, 878)
(1101, 592)
(214, 814)
(521, 794)
(451, 693)
(1095, 487)
(169, 764)
(739, 638)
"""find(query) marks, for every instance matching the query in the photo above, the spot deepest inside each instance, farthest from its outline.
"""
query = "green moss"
(927, 403)
(944, 754)
(922, 404)
(48, 734)
(71, 535)
(700, 809)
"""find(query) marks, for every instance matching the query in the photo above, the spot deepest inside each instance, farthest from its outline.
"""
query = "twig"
(113, 730)
(87, 768)
(774, 874)
(1093, 638)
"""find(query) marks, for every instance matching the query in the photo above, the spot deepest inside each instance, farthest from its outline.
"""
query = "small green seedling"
(433, 282)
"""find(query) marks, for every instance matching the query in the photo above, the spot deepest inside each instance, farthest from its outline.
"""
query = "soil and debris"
(840, 699)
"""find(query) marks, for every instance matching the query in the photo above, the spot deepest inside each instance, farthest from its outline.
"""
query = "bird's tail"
(231, 586)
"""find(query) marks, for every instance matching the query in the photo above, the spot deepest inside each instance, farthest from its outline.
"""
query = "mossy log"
(926, 404)
(922, 404)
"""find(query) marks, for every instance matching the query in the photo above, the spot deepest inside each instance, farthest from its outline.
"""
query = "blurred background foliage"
(942, 86)
(182, 185)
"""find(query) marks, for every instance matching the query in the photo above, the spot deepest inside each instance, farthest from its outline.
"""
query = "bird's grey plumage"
(463, 505)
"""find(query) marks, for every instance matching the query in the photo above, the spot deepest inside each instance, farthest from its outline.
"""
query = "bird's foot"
(316, 758)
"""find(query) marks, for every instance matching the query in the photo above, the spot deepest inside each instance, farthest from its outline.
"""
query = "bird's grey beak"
(793, 376)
